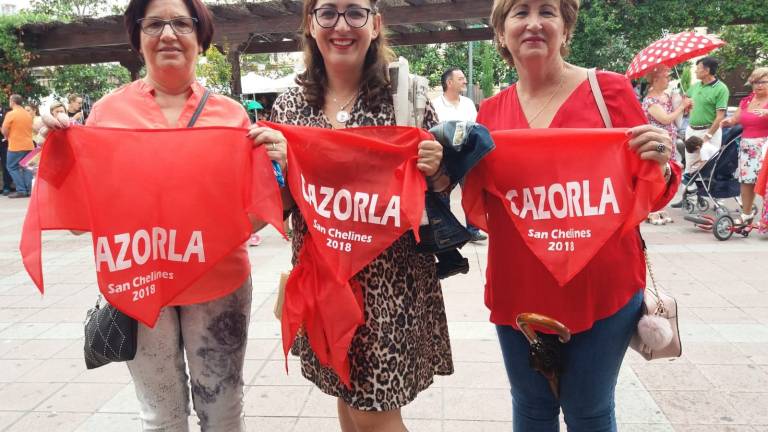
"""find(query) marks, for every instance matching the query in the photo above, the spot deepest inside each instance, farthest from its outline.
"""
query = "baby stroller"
(714, 182)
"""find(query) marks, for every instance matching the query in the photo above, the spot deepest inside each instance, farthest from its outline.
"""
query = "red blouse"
(614, 274)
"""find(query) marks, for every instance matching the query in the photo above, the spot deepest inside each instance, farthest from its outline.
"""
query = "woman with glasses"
(205, 328)
(753, 117)
(404, 341)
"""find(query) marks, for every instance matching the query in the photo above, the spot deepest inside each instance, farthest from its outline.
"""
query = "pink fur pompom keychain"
(654, 331)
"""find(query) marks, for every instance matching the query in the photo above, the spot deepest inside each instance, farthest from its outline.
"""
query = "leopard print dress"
(404, 341)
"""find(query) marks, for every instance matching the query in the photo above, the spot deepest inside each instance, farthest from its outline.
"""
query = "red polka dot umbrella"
(671, 50)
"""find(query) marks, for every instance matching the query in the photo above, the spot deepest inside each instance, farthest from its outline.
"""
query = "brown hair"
(693, 144)
(137, 9)
(569, 11)
(72, 97)
(756, 74)
(375, 88)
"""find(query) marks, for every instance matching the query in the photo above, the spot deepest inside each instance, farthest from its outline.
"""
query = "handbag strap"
(655, 291)
(199, 108)
(598, 94)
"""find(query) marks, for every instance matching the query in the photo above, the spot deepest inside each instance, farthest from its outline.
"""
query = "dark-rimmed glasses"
(155, 26)
(355, 17)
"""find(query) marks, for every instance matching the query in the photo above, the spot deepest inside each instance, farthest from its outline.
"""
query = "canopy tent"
(253, 83)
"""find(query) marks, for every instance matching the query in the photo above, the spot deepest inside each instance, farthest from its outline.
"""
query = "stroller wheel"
(702, 204)
(723, 227)
(720, 210)
(688, 206)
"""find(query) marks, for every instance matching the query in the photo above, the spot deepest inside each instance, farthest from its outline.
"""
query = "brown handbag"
(658, 308)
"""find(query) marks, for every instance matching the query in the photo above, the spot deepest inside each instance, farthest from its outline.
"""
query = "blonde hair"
(569, 11)
(756, 74)
(656, 73)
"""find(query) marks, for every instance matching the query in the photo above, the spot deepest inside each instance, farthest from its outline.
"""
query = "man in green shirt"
(710, 102)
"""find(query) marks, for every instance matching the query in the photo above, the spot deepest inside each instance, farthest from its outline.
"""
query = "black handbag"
(110, 336)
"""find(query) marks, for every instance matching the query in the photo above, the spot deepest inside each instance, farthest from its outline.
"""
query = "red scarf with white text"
(359, 190)
(163, 206)
(566, 191)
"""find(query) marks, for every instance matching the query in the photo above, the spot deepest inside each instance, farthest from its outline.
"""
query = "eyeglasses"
(155, 26)
(759, 83)
(355, 17)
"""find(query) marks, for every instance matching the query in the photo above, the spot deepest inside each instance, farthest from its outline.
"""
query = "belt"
(700, 127)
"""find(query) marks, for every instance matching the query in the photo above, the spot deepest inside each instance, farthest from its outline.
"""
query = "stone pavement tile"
(25, 330)
(477, 404)
(9, 417)
(476, 375)
(714, 353)
(12, 315)
(12, 370)
(273, 374)
(319, 405)
(428, 405)
(761, 285)
(54, 371)
(722, 315)
(314, 424)
(476, 426)
(64, 330)
(8, 301)
(48, 421)
(637, 406)
(7, 345)
(74, 350)
(759, 300)
(468, 350)
(34, 300)
(38, 349)
(282, 401)
(262, 349)
(273, 424)
(695, 408)
(266, 311)
(264, 329)
(472, 330)
(25, 396)
(731, 287)
(646, 427)
(110, 422)
(628, 379)
(424, 425)
(113, 373)
(756, 353)
(760, 314)
(733, 378)
(466, 307)
(712, 428)
(671, 376)
(752, 406)
(701, 333)
(251, 368)
(124, 401)
(57, 315)
(756, 333)
(81, 397)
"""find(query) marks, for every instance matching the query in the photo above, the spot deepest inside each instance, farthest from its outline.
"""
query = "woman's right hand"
(727, 122)
(61, 121)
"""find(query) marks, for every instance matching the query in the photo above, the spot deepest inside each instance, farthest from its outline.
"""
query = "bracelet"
(667, 172)
(436, 176)
(708, 135)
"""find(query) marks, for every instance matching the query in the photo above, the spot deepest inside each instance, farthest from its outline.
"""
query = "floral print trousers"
(213, 335)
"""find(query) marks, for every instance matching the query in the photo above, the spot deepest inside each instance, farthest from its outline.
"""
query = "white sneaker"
(747, 218)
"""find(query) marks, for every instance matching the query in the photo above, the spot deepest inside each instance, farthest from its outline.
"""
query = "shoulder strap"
(199, 108)
(598, 94)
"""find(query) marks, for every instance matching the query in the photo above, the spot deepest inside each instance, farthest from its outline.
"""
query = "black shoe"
(477, 236)
(6, 192)
(678, 204)
(449, 268)
(18, 195)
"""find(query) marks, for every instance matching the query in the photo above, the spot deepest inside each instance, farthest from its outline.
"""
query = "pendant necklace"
(343, 115)
(546, 104)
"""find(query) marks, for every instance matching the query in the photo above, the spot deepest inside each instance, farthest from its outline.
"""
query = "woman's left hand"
(651, 143)
(430, 157)
(275, 142)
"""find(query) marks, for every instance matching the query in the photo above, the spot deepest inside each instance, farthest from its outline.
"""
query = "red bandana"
(359, 190)
(163, 206)
(567, 191)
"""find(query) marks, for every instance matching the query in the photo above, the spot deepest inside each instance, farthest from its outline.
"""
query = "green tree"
(93, 80)
(67, 10)
(15, 75)
(216, 71)
(747, 47)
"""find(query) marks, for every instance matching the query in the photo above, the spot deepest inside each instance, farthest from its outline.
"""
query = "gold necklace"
(541, 110)
(342, 116)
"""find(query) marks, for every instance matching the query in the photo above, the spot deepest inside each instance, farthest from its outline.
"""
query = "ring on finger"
(661, 148)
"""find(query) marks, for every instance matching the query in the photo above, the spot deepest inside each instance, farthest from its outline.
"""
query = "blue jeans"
(22, 178)
(591, 362)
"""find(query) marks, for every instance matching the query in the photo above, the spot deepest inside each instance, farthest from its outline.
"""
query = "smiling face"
(342, 45)
(168, 51)
(534, 29)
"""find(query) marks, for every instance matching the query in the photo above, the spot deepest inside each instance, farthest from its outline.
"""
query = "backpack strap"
(598, 94)
(199, 108)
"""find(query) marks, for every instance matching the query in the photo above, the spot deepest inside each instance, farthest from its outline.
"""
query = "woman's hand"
(727, 122)
(651, 143)
(430, 157)
(61, 121)
(275, 142)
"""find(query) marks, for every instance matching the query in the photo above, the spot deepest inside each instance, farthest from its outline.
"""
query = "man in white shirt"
(451, 105)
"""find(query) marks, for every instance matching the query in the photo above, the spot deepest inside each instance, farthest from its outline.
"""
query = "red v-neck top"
(516, 281)
(133, 106)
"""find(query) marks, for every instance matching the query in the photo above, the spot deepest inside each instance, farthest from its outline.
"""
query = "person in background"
(37, 123)
(451, 105)
(75, 108)
(752, 115)
(8, 186)
(602, 304)
(17, 129)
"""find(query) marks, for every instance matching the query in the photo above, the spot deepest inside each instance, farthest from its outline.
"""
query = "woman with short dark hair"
(204, 330)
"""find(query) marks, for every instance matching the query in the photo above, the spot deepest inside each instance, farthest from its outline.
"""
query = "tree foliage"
(67, 10)
(216, 71)
(93, 81)
(15, 75)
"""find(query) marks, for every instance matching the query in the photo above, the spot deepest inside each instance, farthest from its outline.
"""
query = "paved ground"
(720, 384)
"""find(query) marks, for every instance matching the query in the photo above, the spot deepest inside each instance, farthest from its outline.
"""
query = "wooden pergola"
(263, 27)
